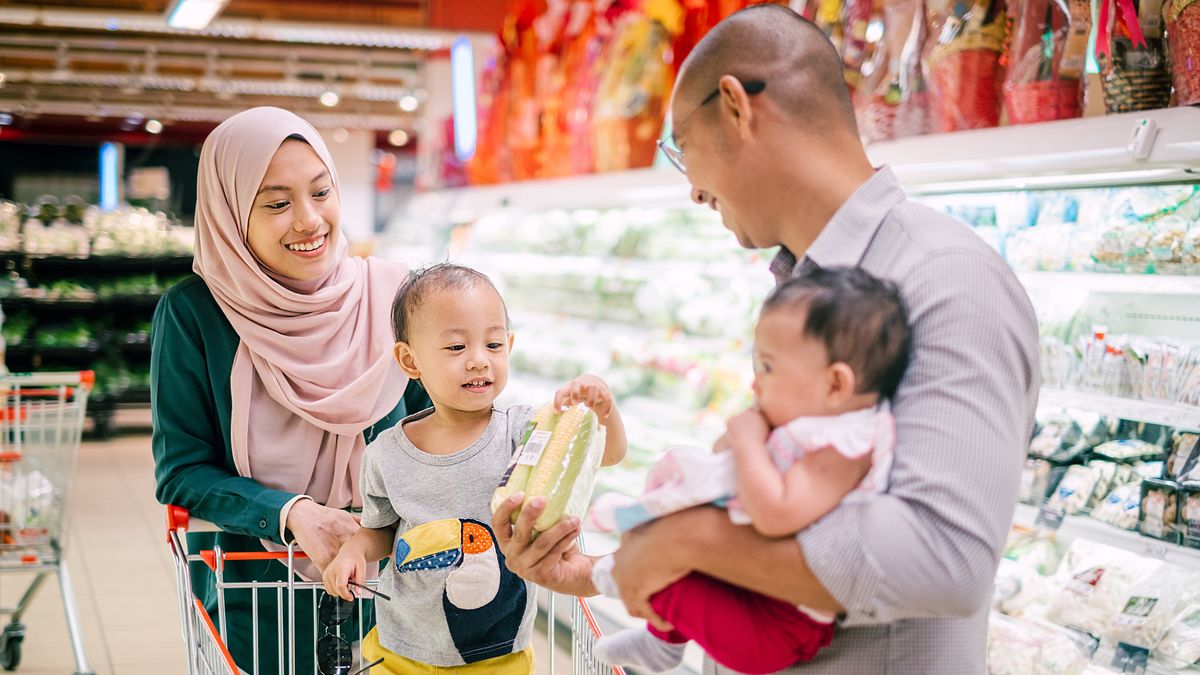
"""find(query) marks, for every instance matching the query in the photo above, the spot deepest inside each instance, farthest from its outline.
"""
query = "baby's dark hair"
(420, 283)
(859, 318)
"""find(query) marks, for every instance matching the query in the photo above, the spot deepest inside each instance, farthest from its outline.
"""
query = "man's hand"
(588, 390)
(655, 556)
(320, 531)
(553, 559)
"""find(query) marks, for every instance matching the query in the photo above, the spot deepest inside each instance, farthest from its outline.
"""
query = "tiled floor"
(124, 584)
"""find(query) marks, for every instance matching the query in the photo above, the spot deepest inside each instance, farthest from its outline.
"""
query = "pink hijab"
(314, 367)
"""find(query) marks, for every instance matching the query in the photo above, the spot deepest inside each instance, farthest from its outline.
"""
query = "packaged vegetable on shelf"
(1189, 514)
(1160, 510)
(1075, 490)
(1122, 507)
(1180, 647)
(1151, 604)
(1047, 53)
(557, 459)
(1038, 478)
(1128, 450)
(1183, 462)
(1030, 647)
(1093, 581)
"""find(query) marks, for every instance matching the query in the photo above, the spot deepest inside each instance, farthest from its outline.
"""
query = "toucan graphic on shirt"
(484, 602)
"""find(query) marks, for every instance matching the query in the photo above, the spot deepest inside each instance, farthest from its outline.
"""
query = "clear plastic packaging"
(1075, 490)
(557, 459)
(1122, 507)
(963, 67)
(1026, 647)
(1094, 582)
(1160, 510)
(1152, 602)
(1183, 462)
(892, 101)
(1046, 57)
(1180, 647)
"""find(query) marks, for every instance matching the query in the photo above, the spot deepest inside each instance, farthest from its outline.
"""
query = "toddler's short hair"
(420, 283)
(859, 318)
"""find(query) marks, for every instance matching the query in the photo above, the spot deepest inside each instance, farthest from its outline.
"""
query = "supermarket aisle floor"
(124, 585)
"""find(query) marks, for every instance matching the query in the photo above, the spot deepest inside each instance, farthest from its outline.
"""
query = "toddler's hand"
(588, 390)
(349, 565)
(746, 430)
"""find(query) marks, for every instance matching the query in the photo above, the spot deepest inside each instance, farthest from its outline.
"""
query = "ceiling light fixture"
(398, 138)
(193, 14)
(408, 103)
(329, 98)
(154, 126)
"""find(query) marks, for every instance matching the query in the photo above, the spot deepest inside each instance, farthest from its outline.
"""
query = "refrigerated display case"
(621, 275)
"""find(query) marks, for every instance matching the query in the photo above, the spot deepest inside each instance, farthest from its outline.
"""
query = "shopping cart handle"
(177, 518)
(210, 557)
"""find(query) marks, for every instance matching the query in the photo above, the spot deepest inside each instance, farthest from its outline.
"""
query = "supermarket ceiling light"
(329, 98)
(398, 138)
(408, 103)
(154, 126)
(462, 84)
(194, 14)
(1060, 182)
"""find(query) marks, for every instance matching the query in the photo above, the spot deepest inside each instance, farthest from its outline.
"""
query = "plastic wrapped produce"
(1025, 647)
(1160, 509)
(1183, 462)
(892, 101)
(1121, 507)
(1075, 490)
(1189, 514)
(1128, 450)
(963, 67)
(1152, 602)
(1047, 54)
(1093, 583)
(1180, 647)
(558, 459)
(1132, 56)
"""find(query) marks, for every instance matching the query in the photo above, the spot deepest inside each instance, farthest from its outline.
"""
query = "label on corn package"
(531, 452)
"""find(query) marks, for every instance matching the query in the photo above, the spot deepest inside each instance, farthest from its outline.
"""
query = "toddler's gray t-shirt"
(453, 599)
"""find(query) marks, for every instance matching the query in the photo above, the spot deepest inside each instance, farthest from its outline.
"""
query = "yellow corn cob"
(554, 461)
(561, 488)
(515, 479)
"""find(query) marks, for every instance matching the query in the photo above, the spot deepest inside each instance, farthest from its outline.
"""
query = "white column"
(356, 175)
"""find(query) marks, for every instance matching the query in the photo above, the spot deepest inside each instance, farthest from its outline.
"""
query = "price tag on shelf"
(1050, 517)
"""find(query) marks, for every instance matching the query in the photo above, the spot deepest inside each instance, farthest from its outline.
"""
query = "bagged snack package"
(1122, 507)
(1151, 604)
(963, 67)
(1132, 57)
(1046, 57)
(558, 458)
(1183, 38)
(1027, 647)
(1093, 582)
(1180, 647)
(1183, 462)
(892, 102)
(1160, 510)
(1189, 514)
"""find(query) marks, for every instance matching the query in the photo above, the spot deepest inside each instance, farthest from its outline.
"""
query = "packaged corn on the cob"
(556, 459)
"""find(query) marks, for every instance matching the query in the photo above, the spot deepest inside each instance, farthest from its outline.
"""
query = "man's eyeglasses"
(334, 655)
(671, 149)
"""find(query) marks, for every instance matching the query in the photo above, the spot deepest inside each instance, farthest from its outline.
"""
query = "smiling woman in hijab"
(272, 369)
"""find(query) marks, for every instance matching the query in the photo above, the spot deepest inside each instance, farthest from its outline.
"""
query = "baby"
(830, 350)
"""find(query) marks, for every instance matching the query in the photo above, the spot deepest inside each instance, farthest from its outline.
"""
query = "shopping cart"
(41, 421)
(204, 637)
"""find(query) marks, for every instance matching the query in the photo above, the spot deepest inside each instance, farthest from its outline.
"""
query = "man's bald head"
(802, 69)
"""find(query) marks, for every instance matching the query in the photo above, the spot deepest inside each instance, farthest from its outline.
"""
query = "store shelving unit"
(113, 321)
(1090, 153)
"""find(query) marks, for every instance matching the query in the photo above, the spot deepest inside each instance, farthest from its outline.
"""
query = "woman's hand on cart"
(552, 560)
(320, 531)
